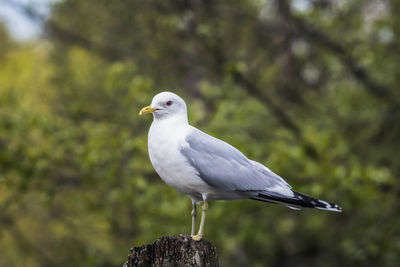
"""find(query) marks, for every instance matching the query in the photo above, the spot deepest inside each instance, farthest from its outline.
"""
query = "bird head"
(165, 105)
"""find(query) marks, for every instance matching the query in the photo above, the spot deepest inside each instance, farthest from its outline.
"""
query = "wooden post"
(170, 251)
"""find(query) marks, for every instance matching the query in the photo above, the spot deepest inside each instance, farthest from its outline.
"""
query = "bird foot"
(197, 237)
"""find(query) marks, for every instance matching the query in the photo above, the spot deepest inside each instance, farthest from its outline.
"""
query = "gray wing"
(223, 166)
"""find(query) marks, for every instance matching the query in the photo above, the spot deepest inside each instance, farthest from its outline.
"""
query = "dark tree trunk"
(170, 251)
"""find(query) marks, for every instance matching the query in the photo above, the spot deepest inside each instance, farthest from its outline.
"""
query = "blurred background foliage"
(308, 87)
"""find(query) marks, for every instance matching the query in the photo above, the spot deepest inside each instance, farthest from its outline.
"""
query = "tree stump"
(171, 251)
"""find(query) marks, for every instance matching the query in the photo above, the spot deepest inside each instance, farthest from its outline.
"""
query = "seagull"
(207, 168)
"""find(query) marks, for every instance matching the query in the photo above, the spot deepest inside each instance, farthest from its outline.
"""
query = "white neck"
(173, 120)
(161, 130)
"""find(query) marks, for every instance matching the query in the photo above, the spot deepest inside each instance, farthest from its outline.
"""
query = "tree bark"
(172, 251)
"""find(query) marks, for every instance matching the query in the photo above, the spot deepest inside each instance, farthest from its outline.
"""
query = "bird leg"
(203, 218)
(194, 213)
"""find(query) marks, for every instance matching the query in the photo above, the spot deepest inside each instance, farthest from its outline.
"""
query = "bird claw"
(197, 237)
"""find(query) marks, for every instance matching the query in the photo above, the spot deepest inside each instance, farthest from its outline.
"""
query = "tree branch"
(355, 68)
(279, 113)
(254, 91)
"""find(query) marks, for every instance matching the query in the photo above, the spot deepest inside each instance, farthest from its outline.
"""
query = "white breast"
(166, 138)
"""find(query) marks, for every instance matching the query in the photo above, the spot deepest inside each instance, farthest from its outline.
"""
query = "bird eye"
(169, 103)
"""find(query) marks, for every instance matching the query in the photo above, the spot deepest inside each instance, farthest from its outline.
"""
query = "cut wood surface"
(172, 251)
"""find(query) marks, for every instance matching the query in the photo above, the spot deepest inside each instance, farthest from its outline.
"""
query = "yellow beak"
(146, 110)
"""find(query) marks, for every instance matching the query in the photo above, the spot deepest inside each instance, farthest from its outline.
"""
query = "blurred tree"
(76, 185)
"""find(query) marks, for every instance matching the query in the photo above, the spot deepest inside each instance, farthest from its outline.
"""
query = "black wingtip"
(316, 203)
(329, 206)
(300, 200)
